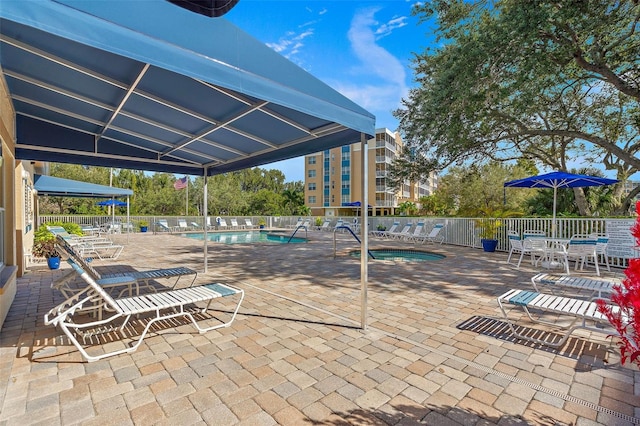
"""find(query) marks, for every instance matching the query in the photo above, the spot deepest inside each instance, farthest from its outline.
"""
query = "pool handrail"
(354, 236)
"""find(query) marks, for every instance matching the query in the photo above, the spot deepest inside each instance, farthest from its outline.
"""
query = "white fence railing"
(458, 231)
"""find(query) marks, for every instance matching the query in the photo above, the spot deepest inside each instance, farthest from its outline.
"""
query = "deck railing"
(458, 231)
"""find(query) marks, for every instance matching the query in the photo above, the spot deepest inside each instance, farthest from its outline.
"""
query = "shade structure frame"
(253, 106)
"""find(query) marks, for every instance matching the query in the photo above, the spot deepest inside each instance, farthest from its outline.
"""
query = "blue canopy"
(55, 186)
(149, 85)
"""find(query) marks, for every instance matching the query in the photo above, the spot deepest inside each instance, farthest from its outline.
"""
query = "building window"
(346, 184)
(346, 198)
(311, 160)
(312, 199)
(312, 186)
(312, 173)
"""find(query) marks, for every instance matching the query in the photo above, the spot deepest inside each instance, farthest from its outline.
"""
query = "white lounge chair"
(234, 223)
(163, 225)
(157, 306)
(436, 234)
(295, 226)
(129, 279)
(406, 231)
(195, 225)
(222, 224)
(325, 225)
(100, 247)
(580, 311)
(388, 232)
(581, 284)
(249, 224)
(417, 233)
(182, 225)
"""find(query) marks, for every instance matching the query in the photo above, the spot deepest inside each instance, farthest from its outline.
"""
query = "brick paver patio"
(436, 350)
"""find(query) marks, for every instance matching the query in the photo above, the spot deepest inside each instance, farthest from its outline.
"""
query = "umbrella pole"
(553, 223)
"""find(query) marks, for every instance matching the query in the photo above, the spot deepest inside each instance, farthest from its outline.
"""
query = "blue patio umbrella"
(555, 180)
(114, 203)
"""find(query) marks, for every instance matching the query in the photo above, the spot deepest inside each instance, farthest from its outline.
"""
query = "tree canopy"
(555, 82)
(253, 191)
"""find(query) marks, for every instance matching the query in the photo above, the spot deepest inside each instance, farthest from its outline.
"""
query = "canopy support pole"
(128, 220)
(364, 229)
(205, 211)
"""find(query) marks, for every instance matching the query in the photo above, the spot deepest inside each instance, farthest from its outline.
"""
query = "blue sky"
(362, 49)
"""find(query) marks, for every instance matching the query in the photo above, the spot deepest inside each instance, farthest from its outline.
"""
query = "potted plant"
(262, 223)
(489, 233)
(144, 225)
(44, 245)
(490, 224)
(381, 227)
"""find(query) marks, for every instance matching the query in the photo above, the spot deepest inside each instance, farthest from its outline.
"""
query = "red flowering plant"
(624, 310)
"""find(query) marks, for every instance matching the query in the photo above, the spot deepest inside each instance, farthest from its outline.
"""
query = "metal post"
(364, 227)
(205, 209)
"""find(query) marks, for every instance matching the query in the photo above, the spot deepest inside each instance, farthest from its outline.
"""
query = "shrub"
(626, 320)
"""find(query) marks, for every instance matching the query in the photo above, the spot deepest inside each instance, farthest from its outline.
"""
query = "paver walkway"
(435, 351)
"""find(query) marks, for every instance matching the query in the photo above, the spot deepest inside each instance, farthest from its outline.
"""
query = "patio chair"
(234, 224)
(580, 284)
(155, 306)
(436, 234)
(195, 225)
(119, 279)
(249, 224)
(222, 223)
(579, 311)
(579, 249)
(537, 243)
(602, 240)
(518, 245)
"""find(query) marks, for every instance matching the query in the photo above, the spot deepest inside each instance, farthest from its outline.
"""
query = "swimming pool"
(401, 255)
(245, 237)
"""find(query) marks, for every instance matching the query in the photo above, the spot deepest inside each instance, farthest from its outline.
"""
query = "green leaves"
(545, 80)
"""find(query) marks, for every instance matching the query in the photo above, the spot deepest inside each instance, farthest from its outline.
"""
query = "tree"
(481, 187)
(408, 208)
(547, 81)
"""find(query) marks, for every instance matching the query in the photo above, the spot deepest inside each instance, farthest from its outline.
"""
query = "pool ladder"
(294, 233)
(348, 228)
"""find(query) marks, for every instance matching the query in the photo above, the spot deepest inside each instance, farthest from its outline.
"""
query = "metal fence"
(458, 231)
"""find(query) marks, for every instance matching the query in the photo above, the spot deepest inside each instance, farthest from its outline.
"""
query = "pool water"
(400, 255)
(244, 237)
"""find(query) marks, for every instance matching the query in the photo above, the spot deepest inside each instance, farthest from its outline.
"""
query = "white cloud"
(291, 43)
(395, 23)
(374, 59)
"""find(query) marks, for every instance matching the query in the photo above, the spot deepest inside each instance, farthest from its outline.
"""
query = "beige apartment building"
(333, 179)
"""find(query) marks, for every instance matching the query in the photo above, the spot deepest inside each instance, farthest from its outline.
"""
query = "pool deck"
(436, 350)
